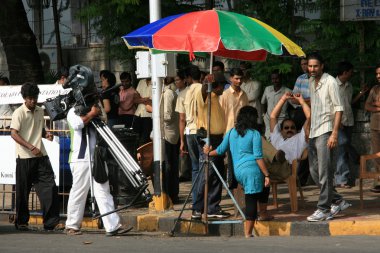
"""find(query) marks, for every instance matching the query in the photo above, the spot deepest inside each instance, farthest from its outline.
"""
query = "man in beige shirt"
(231, 101)
(188, 126)
(345, 173)
(233, 98)
(372, 105)
(143, 121)
(32, 164)
(171, 132)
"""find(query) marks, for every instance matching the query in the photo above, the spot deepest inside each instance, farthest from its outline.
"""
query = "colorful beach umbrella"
(222, 33)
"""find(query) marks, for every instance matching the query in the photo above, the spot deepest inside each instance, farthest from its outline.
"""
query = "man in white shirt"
(80, 153)
(327, 108)
(284, 136)
(271, 96)
(253, 90)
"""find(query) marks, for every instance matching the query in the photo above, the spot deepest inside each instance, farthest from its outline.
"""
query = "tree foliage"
(113, 19)
(334, 39)
(357, 42)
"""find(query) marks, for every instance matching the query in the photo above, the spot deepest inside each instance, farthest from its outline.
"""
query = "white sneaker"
(337, 208)
(318, 215)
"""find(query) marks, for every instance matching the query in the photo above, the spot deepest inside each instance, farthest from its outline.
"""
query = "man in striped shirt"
(326, 114)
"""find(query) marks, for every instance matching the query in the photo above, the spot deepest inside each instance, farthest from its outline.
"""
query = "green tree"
(280, 15)
(113, 19)
(357, 42)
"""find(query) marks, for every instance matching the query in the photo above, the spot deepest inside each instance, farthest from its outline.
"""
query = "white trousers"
(78, 196)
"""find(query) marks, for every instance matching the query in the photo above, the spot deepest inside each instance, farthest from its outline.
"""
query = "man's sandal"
(71, 231)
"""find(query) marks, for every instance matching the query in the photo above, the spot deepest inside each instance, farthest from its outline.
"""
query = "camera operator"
(79, 119)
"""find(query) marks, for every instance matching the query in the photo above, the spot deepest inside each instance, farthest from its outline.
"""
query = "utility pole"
(160, 199)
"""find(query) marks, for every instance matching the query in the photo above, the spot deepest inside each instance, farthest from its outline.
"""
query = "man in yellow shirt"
(217, 127)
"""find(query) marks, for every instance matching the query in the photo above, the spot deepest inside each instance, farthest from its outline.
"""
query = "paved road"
(14, 241)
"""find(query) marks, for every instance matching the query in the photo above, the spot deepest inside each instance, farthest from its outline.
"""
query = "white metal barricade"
(63, 174)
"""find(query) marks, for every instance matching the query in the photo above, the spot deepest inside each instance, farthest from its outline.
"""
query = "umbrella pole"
(207, 167)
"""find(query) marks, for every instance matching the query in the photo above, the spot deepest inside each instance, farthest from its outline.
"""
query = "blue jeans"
(344, 173)
(322, 171)
(194, 151)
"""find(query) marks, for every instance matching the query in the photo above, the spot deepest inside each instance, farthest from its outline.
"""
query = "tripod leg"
(228, 190)
(126, 206)
(171, 233)
(92, 199)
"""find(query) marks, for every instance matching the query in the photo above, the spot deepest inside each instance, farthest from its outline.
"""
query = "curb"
(163, 223)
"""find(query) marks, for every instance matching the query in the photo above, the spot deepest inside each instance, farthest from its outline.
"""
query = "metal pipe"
(158, 147)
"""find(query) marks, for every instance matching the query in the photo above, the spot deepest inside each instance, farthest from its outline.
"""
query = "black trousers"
(214, 183)
(143, 126)
(171, 174)
(36, 172)
(251, 203)
(127, 120)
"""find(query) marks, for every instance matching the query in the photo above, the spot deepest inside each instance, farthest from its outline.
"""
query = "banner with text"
(359, 10)
(11, 94)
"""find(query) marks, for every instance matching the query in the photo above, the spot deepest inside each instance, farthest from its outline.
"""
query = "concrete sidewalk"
(353, 221)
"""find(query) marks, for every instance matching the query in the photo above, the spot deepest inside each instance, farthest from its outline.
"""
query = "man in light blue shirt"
(301, 86)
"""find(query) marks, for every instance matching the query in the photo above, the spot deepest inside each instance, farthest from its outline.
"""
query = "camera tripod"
(126, 162)
(205, 167)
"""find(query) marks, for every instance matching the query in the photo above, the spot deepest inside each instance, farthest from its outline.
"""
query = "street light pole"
(160, 199)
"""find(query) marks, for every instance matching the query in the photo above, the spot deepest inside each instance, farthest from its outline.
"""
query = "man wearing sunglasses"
(284, 135)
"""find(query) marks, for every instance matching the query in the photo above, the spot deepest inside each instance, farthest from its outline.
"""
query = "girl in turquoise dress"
(250, 171)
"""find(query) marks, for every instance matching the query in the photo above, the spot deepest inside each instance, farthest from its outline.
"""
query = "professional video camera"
(82, 96)
(83, 91)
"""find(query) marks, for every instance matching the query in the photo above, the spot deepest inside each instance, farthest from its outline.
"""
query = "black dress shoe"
(376, 189)
(119, 231)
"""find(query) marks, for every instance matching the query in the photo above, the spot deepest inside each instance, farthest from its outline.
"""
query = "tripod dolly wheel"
(100, 223)
(12, 218)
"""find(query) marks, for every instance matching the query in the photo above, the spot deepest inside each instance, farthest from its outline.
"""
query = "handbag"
(99, 168)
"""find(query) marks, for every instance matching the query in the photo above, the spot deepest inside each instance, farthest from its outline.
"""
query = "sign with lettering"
(8, 159)
(359, 10)
(11, 94)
